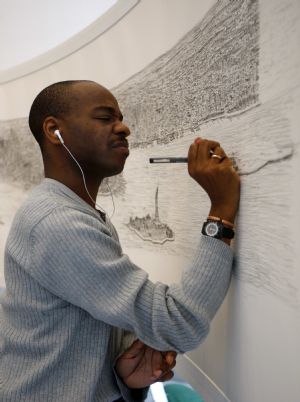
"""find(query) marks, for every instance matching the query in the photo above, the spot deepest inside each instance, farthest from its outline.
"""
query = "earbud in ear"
(58, 135)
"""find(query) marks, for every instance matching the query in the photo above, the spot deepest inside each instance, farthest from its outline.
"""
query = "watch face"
(212, 229)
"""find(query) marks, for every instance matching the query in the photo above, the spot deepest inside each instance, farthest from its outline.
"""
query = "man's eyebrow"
(108, 109)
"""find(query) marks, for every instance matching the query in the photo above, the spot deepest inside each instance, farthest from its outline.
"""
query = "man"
(73, 298)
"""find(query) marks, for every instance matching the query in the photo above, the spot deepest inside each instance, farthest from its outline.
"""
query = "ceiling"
(29, 28)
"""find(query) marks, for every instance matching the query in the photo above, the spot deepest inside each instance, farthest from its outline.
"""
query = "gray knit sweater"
(69, 287)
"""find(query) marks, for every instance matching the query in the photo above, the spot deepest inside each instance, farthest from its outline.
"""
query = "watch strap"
(222, 231)
(224, 221)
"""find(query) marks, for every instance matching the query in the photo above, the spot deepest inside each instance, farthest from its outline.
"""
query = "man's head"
(55, 100)
(90, 122)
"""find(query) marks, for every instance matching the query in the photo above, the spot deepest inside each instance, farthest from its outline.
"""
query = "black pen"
(171, 159)
(168, 159)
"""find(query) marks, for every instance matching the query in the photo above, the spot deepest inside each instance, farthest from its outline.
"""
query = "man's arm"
(211, 168)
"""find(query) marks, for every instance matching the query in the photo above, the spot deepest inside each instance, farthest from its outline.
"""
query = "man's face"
(94, 130)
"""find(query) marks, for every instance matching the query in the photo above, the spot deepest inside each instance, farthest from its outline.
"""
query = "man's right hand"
(216, 176)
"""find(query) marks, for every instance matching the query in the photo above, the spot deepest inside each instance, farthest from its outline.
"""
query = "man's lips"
(122, 146)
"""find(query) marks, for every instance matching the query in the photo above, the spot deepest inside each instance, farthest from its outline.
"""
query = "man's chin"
(114, 172)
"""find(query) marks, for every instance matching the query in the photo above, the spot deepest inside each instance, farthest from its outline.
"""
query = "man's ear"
(49, 126)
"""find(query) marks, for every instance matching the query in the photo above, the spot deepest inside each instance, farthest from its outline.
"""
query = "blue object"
(178, 392)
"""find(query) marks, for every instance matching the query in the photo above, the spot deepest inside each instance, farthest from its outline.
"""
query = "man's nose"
(121, 128)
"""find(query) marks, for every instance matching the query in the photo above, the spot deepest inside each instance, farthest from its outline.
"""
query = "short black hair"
(55, 100)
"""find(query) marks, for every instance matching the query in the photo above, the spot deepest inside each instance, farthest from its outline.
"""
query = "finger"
(227, 162)
(158, 362)
(166, 377)
(160, 367)
(172, 365)
(205, 146)
(218, 155)
(156, 375)
(218, 150)
(213, 144)
(193, 150)
(170, 356)
(153, 362)
(169, 367)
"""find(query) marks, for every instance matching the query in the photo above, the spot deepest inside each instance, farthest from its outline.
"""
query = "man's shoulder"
(48, 199)
(41, 201)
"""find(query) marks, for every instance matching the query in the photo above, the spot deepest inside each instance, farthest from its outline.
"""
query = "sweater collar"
(61, 188)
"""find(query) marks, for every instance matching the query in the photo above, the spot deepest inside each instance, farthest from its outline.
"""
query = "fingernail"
(169, 360)
(197, 140)
(157, 373)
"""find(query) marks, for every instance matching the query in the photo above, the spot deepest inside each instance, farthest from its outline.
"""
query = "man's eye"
(105, 118)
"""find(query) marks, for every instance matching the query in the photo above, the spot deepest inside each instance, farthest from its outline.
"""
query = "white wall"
(149, 30)
(252, 352)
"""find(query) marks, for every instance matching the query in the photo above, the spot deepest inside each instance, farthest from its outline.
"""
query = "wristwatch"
(217, 230)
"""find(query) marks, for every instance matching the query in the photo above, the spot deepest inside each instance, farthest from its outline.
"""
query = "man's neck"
(76, 184)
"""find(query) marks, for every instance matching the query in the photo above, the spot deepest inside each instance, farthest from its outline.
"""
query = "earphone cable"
(85, 186)
(113, 201)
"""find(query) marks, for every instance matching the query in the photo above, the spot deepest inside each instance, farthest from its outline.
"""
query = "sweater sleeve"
(74, 255)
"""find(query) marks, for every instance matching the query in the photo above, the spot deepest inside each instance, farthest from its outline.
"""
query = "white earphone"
(58, 135)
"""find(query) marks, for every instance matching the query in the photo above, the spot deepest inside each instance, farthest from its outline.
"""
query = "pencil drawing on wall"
(208, 85)
(150, 228)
